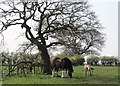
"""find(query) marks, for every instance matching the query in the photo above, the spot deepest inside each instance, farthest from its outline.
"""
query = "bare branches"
(2, 40)
(54, 43)
(70, 23)
(26, 46)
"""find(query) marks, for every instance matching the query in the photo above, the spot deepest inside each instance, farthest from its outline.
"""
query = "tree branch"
(54, 43)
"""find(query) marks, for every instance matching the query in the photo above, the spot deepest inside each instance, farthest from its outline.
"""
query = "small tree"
(62, 55)
(116, 61)
(93, 60)
(103, 60)
(77, 60)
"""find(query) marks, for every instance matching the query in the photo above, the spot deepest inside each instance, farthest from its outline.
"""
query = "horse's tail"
(71, 68)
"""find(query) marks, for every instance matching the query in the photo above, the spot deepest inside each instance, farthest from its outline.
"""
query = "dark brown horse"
(64, 64)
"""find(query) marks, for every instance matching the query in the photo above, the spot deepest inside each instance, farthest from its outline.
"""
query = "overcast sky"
(107, 12)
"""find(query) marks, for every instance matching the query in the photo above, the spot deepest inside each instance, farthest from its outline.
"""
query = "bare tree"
(85, 31)
(45, 20)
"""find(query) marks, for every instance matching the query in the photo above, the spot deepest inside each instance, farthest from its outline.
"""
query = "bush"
(62, 55)
(77, 60)
(93, 60)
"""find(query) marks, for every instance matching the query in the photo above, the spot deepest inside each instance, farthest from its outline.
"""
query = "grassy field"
(102, 75)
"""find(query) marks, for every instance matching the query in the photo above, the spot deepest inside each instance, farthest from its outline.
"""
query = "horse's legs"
(85, 72)
(90, 72)
(69, 73)
(53, 74)
(57, 73)
(62, 74)
(66, 71)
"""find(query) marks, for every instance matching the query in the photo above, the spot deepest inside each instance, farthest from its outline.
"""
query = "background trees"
(48, 23)
(77, 60)
(109, 60)
(103, 60)
(93, 60)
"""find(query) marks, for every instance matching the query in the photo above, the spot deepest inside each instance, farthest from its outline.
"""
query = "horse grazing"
(64, 64)
(88, 69)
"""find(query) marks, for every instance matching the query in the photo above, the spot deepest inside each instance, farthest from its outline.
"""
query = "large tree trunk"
(46, 60)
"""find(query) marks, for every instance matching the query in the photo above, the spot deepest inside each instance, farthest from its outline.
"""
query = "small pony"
(88, 69)
(64, 64)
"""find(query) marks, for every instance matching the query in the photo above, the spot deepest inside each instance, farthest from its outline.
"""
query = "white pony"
(88, 69)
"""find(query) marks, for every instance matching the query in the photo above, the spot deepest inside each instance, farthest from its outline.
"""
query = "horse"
(88, 69)
(64, 64)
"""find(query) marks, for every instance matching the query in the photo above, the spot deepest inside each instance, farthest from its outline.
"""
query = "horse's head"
(56, 62)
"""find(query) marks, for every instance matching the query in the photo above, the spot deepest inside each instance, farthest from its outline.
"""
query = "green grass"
(102, 75)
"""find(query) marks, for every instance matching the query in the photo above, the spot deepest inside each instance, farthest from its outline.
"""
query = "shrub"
(62, 55)
(77, 60)
(93, 60)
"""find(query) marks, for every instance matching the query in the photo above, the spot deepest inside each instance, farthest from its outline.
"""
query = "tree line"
(13, 58)
(103, 60)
